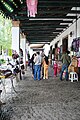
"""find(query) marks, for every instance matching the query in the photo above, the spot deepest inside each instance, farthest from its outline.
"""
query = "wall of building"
(72, 29)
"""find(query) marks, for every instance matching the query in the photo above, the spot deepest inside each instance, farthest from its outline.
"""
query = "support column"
(15, 36)
(23, 46)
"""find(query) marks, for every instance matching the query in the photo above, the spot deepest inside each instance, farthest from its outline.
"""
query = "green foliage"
(5, 33)
(2, 61)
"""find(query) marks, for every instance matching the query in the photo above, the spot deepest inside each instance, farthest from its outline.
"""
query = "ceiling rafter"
(44, 22)
(52, 11)
(58, 1)
(51, 5)
(41, 26)
(45, 17)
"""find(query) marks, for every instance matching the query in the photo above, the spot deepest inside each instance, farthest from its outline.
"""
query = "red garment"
(55, 69)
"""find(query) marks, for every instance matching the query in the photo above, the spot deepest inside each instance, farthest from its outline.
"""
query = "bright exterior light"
(13, 3)
(7, 6)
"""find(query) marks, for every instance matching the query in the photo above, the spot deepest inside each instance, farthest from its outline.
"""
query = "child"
(55, 67)
(59, 67)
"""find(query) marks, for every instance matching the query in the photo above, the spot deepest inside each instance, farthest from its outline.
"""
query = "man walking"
(66, 61)
(37, 66)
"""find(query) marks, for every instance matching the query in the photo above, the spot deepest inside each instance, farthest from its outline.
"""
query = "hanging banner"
(31, 7)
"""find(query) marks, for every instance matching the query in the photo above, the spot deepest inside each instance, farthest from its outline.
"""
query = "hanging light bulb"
(31, 7)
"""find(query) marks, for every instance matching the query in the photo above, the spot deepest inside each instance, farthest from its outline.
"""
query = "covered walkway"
(50, 99)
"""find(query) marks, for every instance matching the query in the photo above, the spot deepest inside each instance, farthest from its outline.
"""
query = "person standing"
(42, 67)
(65, 63)
(55, 67)
(45, 64)
(37, 66)
(28, 55)
(32, 61)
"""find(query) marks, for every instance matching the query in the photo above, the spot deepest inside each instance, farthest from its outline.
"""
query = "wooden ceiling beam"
(40, 31)
(38, 42)
(44, 23)
(50, 5)
(25, 22)
(53, 11)
(58, 1)
(41, 36)
(43, 26)
(44, 18)
(36, 34)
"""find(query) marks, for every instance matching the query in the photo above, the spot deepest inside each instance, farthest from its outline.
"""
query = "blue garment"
(37, 70)
(64, 67)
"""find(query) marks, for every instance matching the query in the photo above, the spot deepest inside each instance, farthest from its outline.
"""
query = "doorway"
(65, 44)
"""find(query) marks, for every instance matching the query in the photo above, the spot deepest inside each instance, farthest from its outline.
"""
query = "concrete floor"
(50, 99)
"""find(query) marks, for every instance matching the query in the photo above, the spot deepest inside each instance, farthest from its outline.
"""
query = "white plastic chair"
(73, 76)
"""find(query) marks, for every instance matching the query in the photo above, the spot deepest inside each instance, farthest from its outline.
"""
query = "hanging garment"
(31, 7)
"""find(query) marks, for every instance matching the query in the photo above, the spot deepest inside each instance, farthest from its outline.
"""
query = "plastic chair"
(73, 76)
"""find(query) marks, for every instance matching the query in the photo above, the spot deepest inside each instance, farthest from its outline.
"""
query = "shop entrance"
(65, 44)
